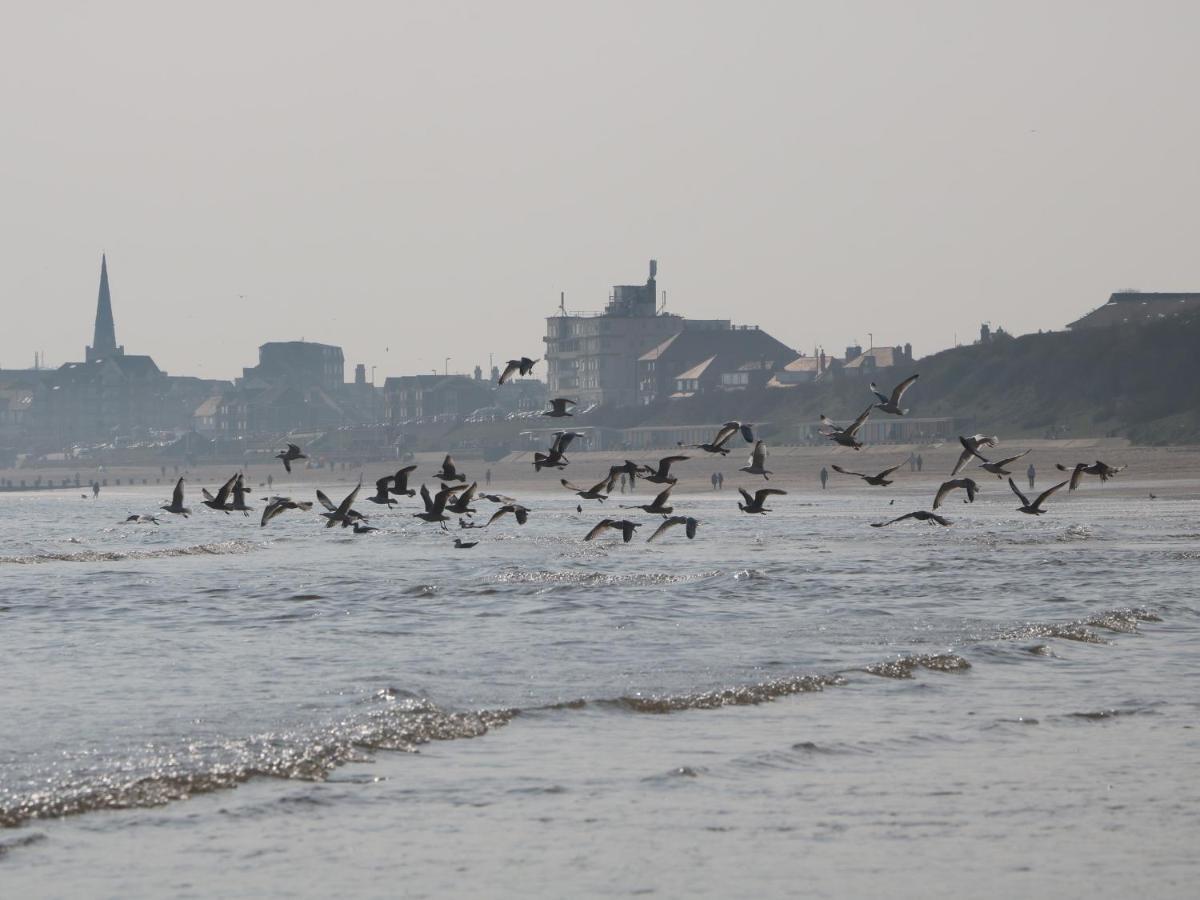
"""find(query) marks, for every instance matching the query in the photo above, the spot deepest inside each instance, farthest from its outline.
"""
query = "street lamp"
(446, 365)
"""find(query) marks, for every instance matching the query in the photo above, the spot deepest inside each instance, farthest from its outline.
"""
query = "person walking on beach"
(824, 477)
(912, 462)
(487, 477)
(920, 462)
(95, 489)
(714, 480)
(1031, 473)
(720, 481)
(270, 481)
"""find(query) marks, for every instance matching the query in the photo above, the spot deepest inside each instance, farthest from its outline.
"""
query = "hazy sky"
(420, 180)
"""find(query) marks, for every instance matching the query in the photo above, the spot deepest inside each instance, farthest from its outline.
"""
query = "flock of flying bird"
(455, 497)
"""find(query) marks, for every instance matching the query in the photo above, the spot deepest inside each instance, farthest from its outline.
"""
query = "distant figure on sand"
(714, 480)
(1030, 473)
(824, 477)
(95, 489)
(912, 462)
(920, 462)
(487, 478)
(720, 481)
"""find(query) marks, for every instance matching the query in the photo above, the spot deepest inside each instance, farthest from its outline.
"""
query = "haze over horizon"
(416, 182)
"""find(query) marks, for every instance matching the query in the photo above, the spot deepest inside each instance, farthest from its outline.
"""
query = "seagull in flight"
(449, 471)
(755, 504)
(997, 468)
(724, 433)
(965, 484)
(382, 495)
(658, 505)
(221, 501)
(757, 463)
(690, 523)
(623, 525)
(524, 366)
(880, 480)
(1104, 470)
(971, 447)
(595, 492)
(920, 515)
(176, 505)
(277, 505)
(1034, 508)
(558, 408)
(662, 474)
(555, 459)
(288, 456)
(351, 514)
(400, 482)
(435, 506)
(892, 404)
(342, 514)
(846, 436)
(519, 512)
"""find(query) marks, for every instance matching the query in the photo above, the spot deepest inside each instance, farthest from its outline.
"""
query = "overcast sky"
(420, 180)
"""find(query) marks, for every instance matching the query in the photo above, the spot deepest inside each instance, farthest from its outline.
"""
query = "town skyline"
(822, 172)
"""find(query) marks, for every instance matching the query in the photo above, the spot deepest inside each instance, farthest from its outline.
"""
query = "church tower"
(104, 339)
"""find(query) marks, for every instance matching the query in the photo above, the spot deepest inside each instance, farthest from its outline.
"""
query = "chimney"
(853, 352)
(360, 374)
(908, 352)
(478, 373)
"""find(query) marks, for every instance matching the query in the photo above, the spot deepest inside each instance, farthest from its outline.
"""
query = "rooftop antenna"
(562, 303)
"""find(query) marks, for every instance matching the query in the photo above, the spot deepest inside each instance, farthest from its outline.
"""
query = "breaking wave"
(220, 548)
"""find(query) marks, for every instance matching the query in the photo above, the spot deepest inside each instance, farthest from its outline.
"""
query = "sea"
(792, 704)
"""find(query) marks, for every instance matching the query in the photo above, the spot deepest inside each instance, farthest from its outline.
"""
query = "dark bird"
(435, 506)
(351, 514)
(176, 505)
(892, 404)
(757, 464)
(595, 492)
(920, 515)
(360, 528)
(382, 495)
(755, 504)
(460, 544)
(628, 467)
(342, 515)
(658, 506)
(238, 504)
(846, 436)
(221, 501)
(1034, 508)
(524, 365)
(966, 484)
(463, 523)
(880, 480)
(1097, 468)
(662, 474)
(623, 525)
(724, 433)
(460, 504)
(278, 505)
(143, 520)
(671, 522)
(400, 482)
(558, 408)
(449, 472)
(971, 447)
(556, 458)
(292, 452)
(520, 512)
(997, 467)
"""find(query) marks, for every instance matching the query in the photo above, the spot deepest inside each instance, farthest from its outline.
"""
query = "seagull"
(351, 514)
(176, 505)
(342, 514)
(143, 520)
(920, 515)
(239, 497)
(724, 433)
(449, 472)
(892, 404)
(880, 480)
(1034, 508)
(966, 484)
(1104, 470)
(555, 459)
(997, 467)
(558, 408)
(435, 506)
(755, 504)
(360, 528)
(382, 495)
(524, 365)
(520, 512)
(658, 505)
(277, 505)
(595, 492)
(498, 498)
(463, 523)
(461, 503)
(662, 475)
(623, 525)
(221, 501)
(757, 462)
(846, 436)
(460, 544)
(401, 482)
(971, 447)
(691, 524)
(292, 452)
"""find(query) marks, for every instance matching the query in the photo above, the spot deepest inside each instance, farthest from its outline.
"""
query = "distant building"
(699, 359)
(805, 370)
(409, 398)
(862, 363)
(1134, 307)
(299, 364)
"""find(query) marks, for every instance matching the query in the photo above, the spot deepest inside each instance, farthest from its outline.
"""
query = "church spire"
(104, 339)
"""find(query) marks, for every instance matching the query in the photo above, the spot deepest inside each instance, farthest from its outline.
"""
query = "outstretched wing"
(748, 498)
(1004, 462)
(726, 431)
(758, 457)
(448, 466)
(325, 501)
(1077, 474)
(829, 423)
(838, 468)
(1044, 495)
(942, 491)
(599, 528)
(893, 521)
(667, 523)
(177, 496)
(886, 472)
(903, 386)
(748, 432)
(858, 423)
(344, 506)
(962, 460)
(1016, 490)
(763, 493)
(223, 494)
(883, 398)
